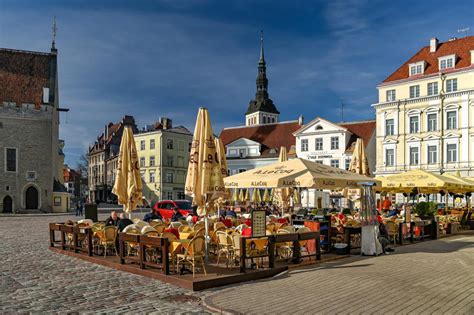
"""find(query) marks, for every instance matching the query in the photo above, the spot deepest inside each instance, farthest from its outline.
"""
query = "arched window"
(319, 127)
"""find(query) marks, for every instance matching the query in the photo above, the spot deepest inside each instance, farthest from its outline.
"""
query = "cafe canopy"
(423, 181)
(297, 173)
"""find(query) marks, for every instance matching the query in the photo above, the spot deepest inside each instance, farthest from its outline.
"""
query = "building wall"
(236, 166)
(34, 147)
(97, 178)
(400, 110)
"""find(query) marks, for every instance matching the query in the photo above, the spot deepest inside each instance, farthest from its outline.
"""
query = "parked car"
(165, 208)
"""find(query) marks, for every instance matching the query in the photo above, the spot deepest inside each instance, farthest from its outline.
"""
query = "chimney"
(166, 123)
(301, 120)
(433, 44)
(106, 131)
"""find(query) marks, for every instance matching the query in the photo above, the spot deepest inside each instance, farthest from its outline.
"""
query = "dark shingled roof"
(23, 75)
(460, 47)
(270, 136)
(359, 129)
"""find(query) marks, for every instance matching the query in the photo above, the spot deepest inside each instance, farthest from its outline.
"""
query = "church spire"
(55, 29)
(262, 57)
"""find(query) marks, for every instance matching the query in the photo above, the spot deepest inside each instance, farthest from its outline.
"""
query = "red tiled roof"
(460, 47)
(271, 136)
(362, 129)
(23, 75)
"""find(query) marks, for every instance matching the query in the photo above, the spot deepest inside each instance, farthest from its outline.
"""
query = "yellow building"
(163, 153)
(425, 112)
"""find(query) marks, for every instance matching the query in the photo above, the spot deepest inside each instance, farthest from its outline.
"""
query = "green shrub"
(426, 209)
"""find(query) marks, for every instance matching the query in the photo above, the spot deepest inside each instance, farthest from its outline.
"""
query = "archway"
(31, 198)
(7, 205)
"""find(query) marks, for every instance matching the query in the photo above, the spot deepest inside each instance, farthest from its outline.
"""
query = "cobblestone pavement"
(434, 277)
(34, 279)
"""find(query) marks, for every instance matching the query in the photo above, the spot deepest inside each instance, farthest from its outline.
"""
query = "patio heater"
(370, 244)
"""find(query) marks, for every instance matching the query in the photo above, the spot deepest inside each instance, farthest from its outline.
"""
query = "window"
(432, 122)
(433, 88)
(335, 163)
(304, 145)
(446, 63)
(169, 144)
(452, 152)
(318, 144)
(241, 170)
(142, 145)
(169, 177)
(390, 95)
(432, 154)
(152, 177)
(451, 122)
(348, 164)
(414, 91)
(169, 161)
(414, 124)
(142, 162)
(152, 160)
(389, 127)
(152, 144)
(169, 196)
(11, 159)
(242, 152)
(414, 156)
(334, 143)
(180, 161)
(180, 195)
(451, 85)
(416, 69)
(319, 161)
(390, 157)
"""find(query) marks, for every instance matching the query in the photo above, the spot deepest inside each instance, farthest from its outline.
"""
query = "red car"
(165, 208)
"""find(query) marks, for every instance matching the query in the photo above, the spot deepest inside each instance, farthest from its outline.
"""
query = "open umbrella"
(204, 178)
(128, 182)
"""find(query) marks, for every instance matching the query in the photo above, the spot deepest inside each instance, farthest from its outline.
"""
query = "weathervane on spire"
(55, 29)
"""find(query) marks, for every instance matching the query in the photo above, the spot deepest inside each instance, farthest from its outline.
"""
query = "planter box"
(452, 228)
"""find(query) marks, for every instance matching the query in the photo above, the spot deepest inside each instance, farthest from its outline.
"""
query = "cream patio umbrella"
(241, 195)
(235, 196)
(297, 173)
(256, 197)
(359, 165)
(247, 195)
(266, 196)
(220, 155)
(204, 178)
(281, 196)
(128, 182)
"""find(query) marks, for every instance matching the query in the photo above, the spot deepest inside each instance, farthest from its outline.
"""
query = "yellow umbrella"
(296, 197)
(281, 196)
(247, 197)
(359, 165)
(298, 173)
(220, 150)
(235, 196)
(256, 195)
(266, 196)
(241, 195)
(204, 178)
(128, 182)
(466, 184)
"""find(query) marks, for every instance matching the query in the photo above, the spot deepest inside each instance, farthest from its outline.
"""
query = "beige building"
(425, 112)
(163, 152)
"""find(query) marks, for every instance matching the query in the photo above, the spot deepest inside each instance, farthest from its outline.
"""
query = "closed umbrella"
(128, 182)
(220, 155)
(247, 197)
(256, 195)
(235, 195)
(282, 195)
(359, 165)
(241, 195)
(266, 196)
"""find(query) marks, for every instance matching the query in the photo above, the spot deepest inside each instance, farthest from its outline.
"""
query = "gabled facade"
(425, 116)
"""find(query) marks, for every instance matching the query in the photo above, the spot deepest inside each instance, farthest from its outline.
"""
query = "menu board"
(259, 223)
(407, 213)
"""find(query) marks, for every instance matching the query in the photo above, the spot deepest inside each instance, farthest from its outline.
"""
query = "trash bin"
(91, 212)
(341, 249)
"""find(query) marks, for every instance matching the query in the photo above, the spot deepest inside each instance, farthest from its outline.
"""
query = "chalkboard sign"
(259, 223)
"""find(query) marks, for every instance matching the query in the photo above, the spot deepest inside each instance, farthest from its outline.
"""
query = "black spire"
(262, 102)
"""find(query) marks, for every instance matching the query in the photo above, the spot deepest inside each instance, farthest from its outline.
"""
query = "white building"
(332, 144)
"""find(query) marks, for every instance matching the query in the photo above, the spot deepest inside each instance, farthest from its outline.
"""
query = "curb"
(17, 215)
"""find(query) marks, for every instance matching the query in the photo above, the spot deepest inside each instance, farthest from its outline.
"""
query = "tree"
(82, 165)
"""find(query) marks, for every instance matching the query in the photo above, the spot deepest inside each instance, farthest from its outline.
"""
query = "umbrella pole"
(206, 243)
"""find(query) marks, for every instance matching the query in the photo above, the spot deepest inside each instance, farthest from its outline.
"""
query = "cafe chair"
(304, 244)
(224, 246)
(194, 254)
(107, 239)
(87, 222)
(392, 229)
(132, 247)
(158, 226)
(285, 250)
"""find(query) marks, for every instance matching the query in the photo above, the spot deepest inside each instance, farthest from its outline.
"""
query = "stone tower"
(261, 110)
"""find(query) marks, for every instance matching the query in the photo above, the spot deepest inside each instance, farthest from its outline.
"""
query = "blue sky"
(166, 58)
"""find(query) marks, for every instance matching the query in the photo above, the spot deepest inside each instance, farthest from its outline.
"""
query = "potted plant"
(426, 210)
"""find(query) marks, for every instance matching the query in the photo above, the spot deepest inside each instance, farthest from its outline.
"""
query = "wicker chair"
(224, 246)
(194, 253)
(285, 250)
(107, 239)
(304, 244)
(184, 228)
(159, 227)
(132, 247)
(392, 229)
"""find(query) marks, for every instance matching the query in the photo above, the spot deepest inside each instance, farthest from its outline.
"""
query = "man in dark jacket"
(113, 219)
(152, 215)
(123, 222)
(176, 215)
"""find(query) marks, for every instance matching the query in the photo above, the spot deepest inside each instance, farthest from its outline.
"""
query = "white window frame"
(16, 159)
(152, 160)
(417, 68)
(443, 62)
(152, 177)
(142, 145)
(142, 161)
(393, 127)
(428, 121)
(452, 158)
(417, 154)
(152, 144)
(317, 143)
(386, 156)
(390, 95)
(428, 154)
(433, 87)
(347, 162)
(334, 163)
(451, 85)
(416, 91)
(455, 119)
(334, 143)
(417, 123)
(304, 145)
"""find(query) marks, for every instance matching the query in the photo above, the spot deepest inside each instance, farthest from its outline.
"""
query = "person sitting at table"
(393, 212)
(153, 215)
(383, 237)
(123, 222)
(176, 215)
(112, 220)
(231, 213)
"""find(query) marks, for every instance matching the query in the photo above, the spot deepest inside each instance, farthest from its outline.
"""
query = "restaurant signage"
(259, 223)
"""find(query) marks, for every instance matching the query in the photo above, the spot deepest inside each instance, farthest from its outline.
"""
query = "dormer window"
(417, 68)
(446, 62)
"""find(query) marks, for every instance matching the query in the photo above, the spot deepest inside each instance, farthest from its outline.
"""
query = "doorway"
(7, 204)
(31, 198)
